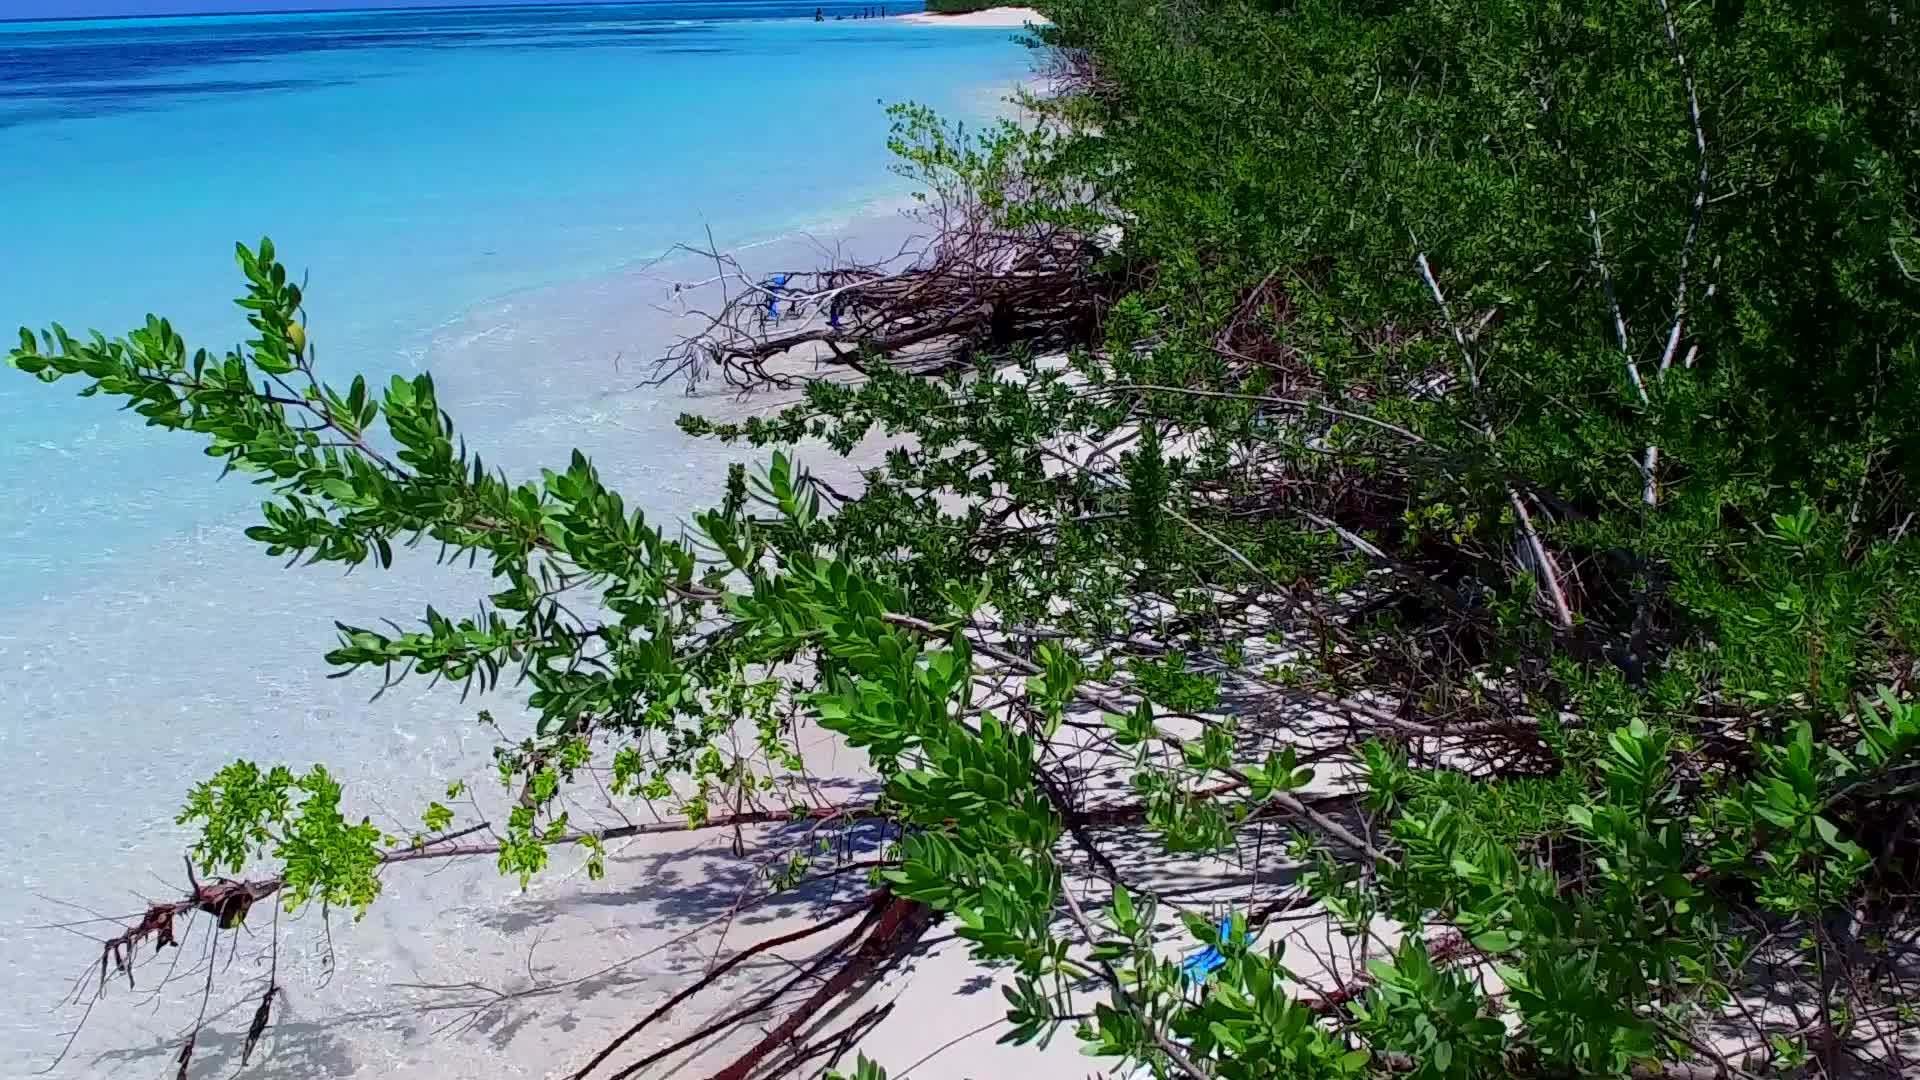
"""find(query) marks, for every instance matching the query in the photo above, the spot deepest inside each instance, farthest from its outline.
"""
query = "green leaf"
(1677, 887)
(1201, 930)
(1828, 831)
(1123, 909)
(1495, 941)
(1226, 1037)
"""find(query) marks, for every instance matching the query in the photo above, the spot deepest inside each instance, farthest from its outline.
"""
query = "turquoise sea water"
(474, 192)
(415, 164)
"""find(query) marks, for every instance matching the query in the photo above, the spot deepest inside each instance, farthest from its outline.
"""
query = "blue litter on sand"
(1199, 967)
(773, 287)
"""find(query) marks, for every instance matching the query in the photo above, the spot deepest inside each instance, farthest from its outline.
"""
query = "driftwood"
(969, 285)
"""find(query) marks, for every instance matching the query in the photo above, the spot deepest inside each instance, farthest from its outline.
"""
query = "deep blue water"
(68, 69)
(475, 192)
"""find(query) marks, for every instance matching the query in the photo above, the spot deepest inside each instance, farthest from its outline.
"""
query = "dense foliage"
(1491, 465)
(960, 7)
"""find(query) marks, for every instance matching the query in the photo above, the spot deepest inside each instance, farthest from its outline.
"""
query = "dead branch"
(228, 901)
(900, 924)
(1545, 567)
(867, 907)
(1702, 177)
(971, 285)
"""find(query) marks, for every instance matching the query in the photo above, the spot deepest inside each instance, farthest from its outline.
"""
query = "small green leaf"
(1830, 833)
(1203, 931)
(1495, 941)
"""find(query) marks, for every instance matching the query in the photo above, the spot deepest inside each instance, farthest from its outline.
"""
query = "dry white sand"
(1009, 17)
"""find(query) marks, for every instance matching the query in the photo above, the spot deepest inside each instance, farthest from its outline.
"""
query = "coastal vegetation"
(1436, 468)
(959, 7)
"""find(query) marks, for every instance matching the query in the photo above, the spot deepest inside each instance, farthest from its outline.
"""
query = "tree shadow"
(701, 882)
(695, 900)
(1778, 996)
(286, 1050)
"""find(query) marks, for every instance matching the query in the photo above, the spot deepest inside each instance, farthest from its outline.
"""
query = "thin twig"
(1545, 565)
(1167, 1046)
(1701, 178)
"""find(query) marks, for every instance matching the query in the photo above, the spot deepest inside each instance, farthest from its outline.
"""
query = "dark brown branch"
(901, 923)
(868, 907)
(436, 850)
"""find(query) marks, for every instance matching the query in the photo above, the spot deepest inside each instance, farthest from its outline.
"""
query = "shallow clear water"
(414, 163)
(471, 192)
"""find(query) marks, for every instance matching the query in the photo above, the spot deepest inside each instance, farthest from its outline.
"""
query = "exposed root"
(227, 900)
(889, 927)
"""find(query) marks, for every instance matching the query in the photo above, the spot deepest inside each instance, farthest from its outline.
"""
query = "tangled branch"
(969, 284)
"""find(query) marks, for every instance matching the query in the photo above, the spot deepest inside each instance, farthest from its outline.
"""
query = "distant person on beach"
(819, 15)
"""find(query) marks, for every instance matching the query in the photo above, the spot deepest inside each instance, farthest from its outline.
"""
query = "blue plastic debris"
(1199, 967)
(774, 287)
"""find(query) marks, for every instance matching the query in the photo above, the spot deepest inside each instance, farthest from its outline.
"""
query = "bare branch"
(1546, 567)
(969, 284)
(1700, 183)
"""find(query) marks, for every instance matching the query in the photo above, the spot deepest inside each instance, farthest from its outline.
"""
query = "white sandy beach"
(1012, 18)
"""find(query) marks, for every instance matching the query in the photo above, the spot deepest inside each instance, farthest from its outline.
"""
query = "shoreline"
(531, 371)
(459, 924)
(996, 18)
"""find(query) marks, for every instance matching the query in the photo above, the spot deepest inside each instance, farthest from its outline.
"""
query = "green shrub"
(960, 7)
